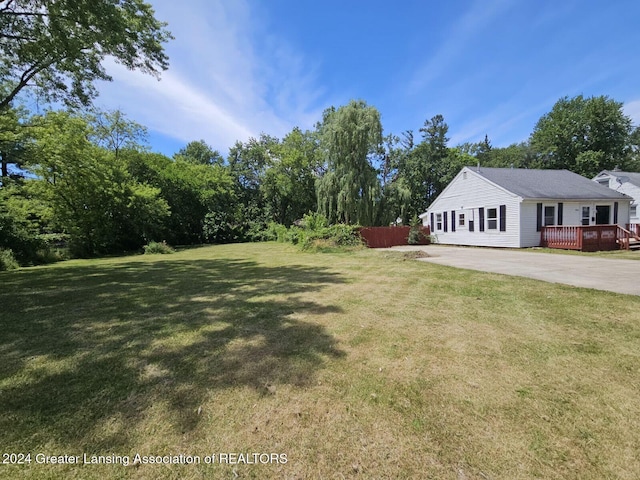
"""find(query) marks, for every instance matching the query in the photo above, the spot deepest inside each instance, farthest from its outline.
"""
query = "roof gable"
(551, 184)
(631, 177)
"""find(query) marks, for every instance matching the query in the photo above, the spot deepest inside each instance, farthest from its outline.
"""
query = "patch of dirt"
(414, 254)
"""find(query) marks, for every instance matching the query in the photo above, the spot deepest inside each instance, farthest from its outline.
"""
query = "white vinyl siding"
(477, 202)
(627, 188)
(466, 196)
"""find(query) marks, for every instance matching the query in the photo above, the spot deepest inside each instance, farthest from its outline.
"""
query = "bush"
(314, 222)
(7, 260)
(51, 255)
(418, 236)
(19, 240)
(54, 248)
(314, 234)
(334, 236)
(417, 233)
(157, 247)
(275, 232)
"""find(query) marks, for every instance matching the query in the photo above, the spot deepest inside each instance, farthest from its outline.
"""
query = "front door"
(603, 214)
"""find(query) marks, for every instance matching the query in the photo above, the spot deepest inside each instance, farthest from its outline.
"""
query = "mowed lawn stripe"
(353, 364)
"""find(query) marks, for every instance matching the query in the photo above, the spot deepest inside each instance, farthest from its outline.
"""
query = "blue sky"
(242, 67)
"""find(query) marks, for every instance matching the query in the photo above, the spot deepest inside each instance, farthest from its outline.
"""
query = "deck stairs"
(628, 239)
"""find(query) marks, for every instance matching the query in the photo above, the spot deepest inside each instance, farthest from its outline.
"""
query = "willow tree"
(349, 191)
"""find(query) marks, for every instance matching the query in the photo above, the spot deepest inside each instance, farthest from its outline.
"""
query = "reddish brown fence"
(383, 237)
(588, 239)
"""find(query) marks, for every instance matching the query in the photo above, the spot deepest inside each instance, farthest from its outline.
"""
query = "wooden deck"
(584, 238)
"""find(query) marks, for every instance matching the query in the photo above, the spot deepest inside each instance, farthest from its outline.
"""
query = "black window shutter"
(560, 207)
(433, 228)
(471, 225)
(481, 219)
(539, 217)
(615, 212)
(444, 215)
(453, 220)
(503, 218)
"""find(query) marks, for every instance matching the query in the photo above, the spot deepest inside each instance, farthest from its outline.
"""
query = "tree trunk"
(5, 166)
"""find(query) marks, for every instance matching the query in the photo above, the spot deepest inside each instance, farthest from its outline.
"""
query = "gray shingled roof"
(634, 177)
(552, 184)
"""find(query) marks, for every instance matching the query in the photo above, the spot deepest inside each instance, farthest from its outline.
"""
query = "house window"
(549, 215)
(461, 220)
(492, 218)
(632, 210)
(438, 221)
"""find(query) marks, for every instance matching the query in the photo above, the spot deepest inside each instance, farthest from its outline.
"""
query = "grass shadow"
(91, 348)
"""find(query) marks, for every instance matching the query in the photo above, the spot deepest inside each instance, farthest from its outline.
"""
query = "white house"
(623, 182)
(507, 207)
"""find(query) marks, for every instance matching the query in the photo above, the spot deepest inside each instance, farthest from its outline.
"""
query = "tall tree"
(90, 193)
(516, 155)
(14, 141)
(396, 195)
(200, 153)
(426, 167)
(350, 191)
(584, 135)
(114, 132)
(59, 45)
(288, 187)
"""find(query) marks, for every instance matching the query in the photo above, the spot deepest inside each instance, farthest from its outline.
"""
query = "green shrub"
(334, 236)
(417, 235)
(7, 260)
(275, 232)
(51, 255)
(314, 234)
(314, 221)
(157, 247)
(16, 237)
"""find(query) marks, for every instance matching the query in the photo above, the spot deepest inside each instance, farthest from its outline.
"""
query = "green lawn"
(353, 365)
(621, 254)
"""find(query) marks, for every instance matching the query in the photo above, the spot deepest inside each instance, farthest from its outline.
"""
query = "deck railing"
(634, 228)
(577, 237)
(624, 237)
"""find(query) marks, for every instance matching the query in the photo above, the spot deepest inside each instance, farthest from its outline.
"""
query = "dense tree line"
(86, 179)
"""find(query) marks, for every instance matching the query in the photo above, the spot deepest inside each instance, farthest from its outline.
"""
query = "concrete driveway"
(614, 275)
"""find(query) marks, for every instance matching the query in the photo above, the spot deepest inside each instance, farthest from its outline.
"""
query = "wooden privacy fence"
(585, 238)
(383, 237)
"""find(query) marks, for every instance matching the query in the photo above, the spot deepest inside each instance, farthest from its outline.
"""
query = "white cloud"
(228, 79)
(505, 124)
(632, 109)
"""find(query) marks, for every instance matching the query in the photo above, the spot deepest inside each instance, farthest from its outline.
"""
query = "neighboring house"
(623, 182)
(507, 207)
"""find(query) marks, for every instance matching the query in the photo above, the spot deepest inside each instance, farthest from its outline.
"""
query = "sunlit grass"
(621, 254)
(360, 364)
